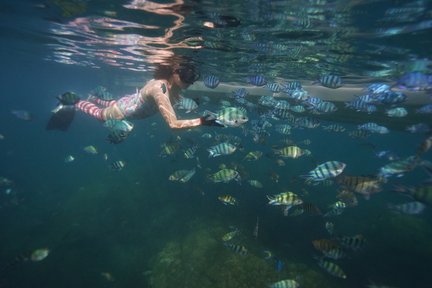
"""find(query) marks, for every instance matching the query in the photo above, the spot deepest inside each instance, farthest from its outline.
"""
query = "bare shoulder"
(154, 87)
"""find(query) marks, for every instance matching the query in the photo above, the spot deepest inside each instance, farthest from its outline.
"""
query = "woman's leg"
(91, 109)
(99, 101)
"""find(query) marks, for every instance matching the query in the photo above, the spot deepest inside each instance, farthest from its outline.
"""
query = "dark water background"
(96, 220)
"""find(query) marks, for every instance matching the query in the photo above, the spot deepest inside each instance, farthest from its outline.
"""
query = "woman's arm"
(164, 104)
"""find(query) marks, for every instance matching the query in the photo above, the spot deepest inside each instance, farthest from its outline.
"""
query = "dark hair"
(180, 65)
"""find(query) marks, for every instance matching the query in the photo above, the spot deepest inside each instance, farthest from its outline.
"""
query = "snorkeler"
(158, 94)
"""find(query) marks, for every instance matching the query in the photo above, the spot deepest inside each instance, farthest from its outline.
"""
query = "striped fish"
(374, 128)
(283, 129)
(225, 175)
(288, 283)
(117, 165)
(326, 170)
(285, 198)
(240, 93)
(274, 87)
(238, 249)
(186, 104)
(334, 128)
(325, 244)
(117, 136)
(335, 253)
(257, 80)
(189, 153)
(211, 81)
(122, 125)
(290, 152)
(409, 208)
(336, 209)
(332, 268)
(224, 148)
(325, 107)
(355, 242)
(227, 200)
(331, 81)
(253, 156)
(231, 116)
(182, 176)
(292, 85)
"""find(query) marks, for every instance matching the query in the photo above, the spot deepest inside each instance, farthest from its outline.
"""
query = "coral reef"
(200, 260)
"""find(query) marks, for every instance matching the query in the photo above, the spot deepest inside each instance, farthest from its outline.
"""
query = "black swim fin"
(61, 119)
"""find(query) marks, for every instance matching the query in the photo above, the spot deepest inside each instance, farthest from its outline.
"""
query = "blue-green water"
(134, 227)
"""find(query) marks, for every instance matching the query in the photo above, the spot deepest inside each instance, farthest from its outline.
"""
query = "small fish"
(324, 244)
(232, 117)
(253, 156)
(290, 152)
(285, 198)
(418, 128)
(107, 276)
(374, 128)
(387, 154)
(182, 176)
(399, 167)
(189, 153)
(5, 182)
(22, 114)
(267, 255)
(186, 104)
(421, 193)
(122, 125)
(2, 137)
(336, 209)
(224, 175)
(102, 93)
(257, 80)
(329, 227)
(334, 253)
(332, 268)
(39, 254)
(274, 87)
(211, 81)
(169, 148)
(409, 208)
(355, 242)
(117, 165)
(397, 112)
(230, 235)
(224, 148)
(288, 283)
(91, 149)
(425, 109)
(326, 170)
(117, 136)
(227, 200)
(238, 249)
(255, 183)
(331, 81)
(69, 159)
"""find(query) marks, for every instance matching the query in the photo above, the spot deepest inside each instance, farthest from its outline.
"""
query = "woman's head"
(177, 67)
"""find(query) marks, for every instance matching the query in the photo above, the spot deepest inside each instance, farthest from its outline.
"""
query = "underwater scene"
(215, 143)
